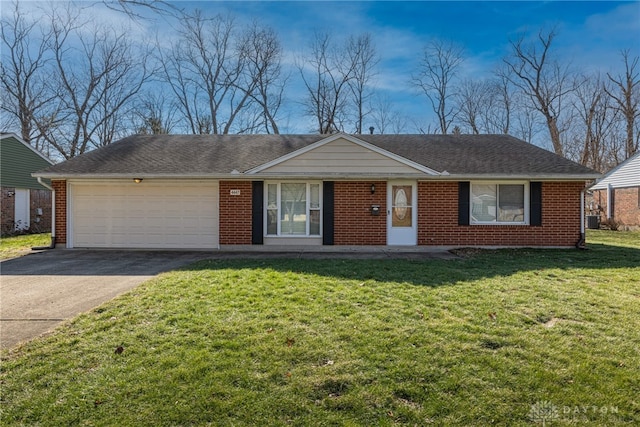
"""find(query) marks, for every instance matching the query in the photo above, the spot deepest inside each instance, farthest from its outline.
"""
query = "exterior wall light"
(137, 180)
(373, 188)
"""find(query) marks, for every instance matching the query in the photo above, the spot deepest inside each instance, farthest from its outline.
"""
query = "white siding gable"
(626, 174)
(341, 156)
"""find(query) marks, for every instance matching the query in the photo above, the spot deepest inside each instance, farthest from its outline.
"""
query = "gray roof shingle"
(215, 155)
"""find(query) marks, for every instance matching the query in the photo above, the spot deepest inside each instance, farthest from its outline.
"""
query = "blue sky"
(591, 35)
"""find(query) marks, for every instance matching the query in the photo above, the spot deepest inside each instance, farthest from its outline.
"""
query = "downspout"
(53, 216)
(581, 244)
(609, 197)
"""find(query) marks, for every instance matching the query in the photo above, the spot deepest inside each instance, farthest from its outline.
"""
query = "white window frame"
(279, 208)
(527, 208)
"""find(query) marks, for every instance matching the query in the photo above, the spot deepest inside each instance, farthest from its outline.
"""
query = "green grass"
(470, 342)
(11, 247)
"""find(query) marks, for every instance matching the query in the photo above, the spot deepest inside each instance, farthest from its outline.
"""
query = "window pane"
(314, 197)
(272, 221)
(314, 223)
(293, 209)
(483, 203)
(272, 209)
(511, 203)
(272, 196)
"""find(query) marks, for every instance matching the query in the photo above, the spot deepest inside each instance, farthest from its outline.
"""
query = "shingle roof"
(215, 155)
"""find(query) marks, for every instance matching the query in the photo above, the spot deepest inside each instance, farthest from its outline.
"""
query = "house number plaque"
(234, 192)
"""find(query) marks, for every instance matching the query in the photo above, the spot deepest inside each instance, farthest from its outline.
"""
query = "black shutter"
(257, 220)
(464, 198)
(535, 203)
(327, 213)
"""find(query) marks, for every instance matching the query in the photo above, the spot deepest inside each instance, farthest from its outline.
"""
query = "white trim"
(609, 199)
(69, 215)
(351, 139)
(13, 135)
(527, 203)
(327, 176)
(582, 215)
(129, 181)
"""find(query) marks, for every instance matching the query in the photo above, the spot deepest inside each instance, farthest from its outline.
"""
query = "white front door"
(22, 217)
(401, 213)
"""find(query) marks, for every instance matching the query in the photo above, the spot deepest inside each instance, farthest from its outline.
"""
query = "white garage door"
(158, 215)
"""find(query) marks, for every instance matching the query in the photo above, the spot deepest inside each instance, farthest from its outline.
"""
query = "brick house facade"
(341, 190)
(616, 197)
(39, 211)
(25, 202)
(437, 216)
(625, 206)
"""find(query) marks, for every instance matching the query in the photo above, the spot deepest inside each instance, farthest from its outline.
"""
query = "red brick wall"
(354, 224)
(40, 199)
(8, 210)
(37, 199)
(438, 219)
(60, 187)
(626, 209)
(235, 213)
(626, 206)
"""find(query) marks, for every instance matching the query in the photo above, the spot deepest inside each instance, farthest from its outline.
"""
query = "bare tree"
(498, 118)
(362, 55)
(525, 125)
(133, 8)
(24, 72)
(97, 73)
(474, 98)
(205, 67)
(543, 81)
(326, 73)
(154, 114)
(225, 80)
(627, 98)
(595, 123)
(385, 118)
(435, 77)
(263, 53)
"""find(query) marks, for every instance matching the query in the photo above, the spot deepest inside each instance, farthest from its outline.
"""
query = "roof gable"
(341, 155)
(626, 174)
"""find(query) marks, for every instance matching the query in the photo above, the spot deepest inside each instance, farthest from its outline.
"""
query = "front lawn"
(509, 337)
(11, 247)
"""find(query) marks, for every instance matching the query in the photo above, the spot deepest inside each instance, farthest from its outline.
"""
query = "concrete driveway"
(40, 290)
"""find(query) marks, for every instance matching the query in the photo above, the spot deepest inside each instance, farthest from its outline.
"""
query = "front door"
(401, 213)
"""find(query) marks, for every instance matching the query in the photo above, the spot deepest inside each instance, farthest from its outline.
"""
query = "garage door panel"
(146, 215)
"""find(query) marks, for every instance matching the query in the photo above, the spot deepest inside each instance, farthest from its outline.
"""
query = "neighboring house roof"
(626, 174)
(242, 155)
(18, 160)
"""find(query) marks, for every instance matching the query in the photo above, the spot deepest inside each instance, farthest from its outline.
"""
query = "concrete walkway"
(40, 290)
